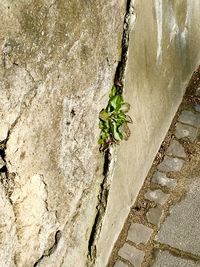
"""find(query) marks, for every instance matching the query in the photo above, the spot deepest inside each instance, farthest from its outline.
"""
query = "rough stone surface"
(154, 215)
(4, 127)
(2, 163)
(176, 149)
(178, 234)
(162, 179)
(158, 196)
(170, 164)
(120, 264)
(139, 233)
(131, 254)
(190, 118)
(165, 259)
(8, 230)
(183, 130)
(57, 65)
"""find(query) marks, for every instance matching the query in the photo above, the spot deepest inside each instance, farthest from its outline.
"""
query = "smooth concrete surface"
(163, 53)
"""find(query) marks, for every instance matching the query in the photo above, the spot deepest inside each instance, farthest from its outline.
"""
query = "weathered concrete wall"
(163, 52)
(58, 60)
(57, 65)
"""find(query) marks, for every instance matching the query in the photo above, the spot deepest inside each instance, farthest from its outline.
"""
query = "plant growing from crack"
(113, 121)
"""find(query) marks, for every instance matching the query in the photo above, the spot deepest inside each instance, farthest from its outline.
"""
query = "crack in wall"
(51, 250)
(7, 179)
(108, 156)
(121, 67)
(101, 208)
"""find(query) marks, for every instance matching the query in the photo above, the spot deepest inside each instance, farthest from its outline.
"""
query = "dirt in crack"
(51, 250)
(3, 167)
(105, 185)
(6, 178)
(101, 207)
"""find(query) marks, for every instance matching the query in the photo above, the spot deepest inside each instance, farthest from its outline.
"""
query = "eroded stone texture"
(8, 237)
(57, 64)
(2, 162)
(4, 127)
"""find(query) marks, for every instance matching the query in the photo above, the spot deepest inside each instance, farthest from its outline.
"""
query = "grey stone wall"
(58, 60)
(57, 65)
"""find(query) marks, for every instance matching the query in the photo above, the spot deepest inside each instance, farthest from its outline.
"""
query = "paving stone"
(158, 196)
(120, 264)
(197, 107)
(165, 259)
(170, 164)
(190, 118)
(181, 228)
(186, 131)
(131, 254)
(139, 233)
(2, 163)
(176, 149)
(154, 215)
(162, 179)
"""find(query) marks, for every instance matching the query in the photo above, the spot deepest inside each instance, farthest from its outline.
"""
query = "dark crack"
(121, 67)
(6, 178)
(105, 185)
(51, 250)
(101, 208)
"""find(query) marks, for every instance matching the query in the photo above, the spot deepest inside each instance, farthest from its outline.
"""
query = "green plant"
(114, 121)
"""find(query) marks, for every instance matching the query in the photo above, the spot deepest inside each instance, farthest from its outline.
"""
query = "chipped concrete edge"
(110, 155)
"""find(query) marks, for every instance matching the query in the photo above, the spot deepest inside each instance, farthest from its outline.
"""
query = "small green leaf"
(103, 115)
(121, 115)
(100, 141)
(116, 134)
(116, 102)
(101, 125)
(113, 120)
(125, 107)
(113, 91)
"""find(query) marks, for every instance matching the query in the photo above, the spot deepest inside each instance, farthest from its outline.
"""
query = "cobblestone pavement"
(163, 227)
